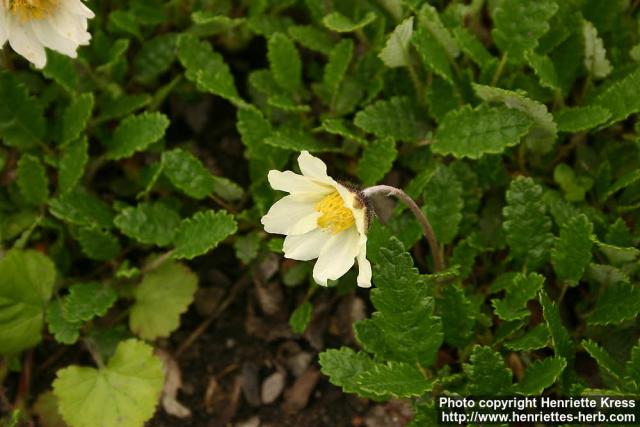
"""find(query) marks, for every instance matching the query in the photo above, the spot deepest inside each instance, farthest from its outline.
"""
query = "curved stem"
(387, 190)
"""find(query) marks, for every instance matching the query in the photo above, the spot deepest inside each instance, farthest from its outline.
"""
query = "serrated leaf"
(342, 128)
(396, 379)
(562, 342)
(430, 20)
(487, 373)
(227, 189)
(312, 38)
(458, 317)
(26, 285)
(571, 251)
(247, 247)
(76, 116)
(442, 97)
(467, 132)
(578, 119)
(64, 331)
(62, 69)
(542, 136)
(396, 51)
(595, 55)
(285, 62)
(136, 133)
(186, 172)
(129, 385)
(81, 208)
(295, 139)
(72, 163)
(394, 118)
(201, 233)
(336, 67)
(114, 108)
(534, 339)
(149, 223)
(617, 303)
(472, 47)
(623, 182)
(540, 375)
(618, 255)
(87, 300)
(343, 365)
(526, 223)
(155, 57)
(606, 274)
(543, 66)
(620, 97)
(605, 361)
(433, 55)
(443, 204)
(97, 244)
(521, 290)
(404, 327)
(32, 180)
(300, 317)
(164, 294)
(377, 159)
(339, 23)
(22, 123)
(207, 69)
(632, 367)
(518, 24)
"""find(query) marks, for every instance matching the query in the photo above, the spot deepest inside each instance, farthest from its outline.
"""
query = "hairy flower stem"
(387, 190)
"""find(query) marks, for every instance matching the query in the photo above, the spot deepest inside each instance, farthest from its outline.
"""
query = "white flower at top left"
(322, 219)
(32, 25)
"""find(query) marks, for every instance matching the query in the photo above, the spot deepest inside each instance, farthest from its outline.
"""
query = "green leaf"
(294, 139)
(518, 24)
(81, 208)
(394, 118)
(618, 302)
(97, 244)
(571, 251)
(623, 182)
(62, 69)
(72, 164)
(343, 366)
(201, 233)
(312, 38)
(487, 373)
(620, 97)
(32, 180)
(430, 20)
(22, 123)
(540, 375)
(64, 331)
(467, 132)
(534, 339)
(578, 119)
(285, 62)
(342, 128)
(442, 97)
(472, 47)
(617, 255)
(86, 301)
(543, 66)
(605, 361)
(334, 71)
(433, 55)
(300, 317)
(458, 317)
(149, 223)
(542, 136)
(377, 159)
(526, 223)
(396, 51)
(339, 23)
(562, 342)
(443, 204)
(164, 294)
(396, 379)
(126, 22)
(632, 367)
(227, 189)
(404, 327)
(207, 69)
(574, 187)
(129, 385)
(155, 57)
(115, 108)
(247, 247)
(26, 285)
(595, 55)
(76, 116)
(136, 133)
(521, 290)
(186, 172)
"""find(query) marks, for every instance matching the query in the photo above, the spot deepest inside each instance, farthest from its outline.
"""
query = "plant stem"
(499, 70)
(387, 190)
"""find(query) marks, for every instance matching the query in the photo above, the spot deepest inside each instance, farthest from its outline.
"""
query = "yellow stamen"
(335, 217)
(29, 10)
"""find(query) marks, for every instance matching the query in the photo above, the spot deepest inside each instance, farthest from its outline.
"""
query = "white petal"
(71, 26)
(313, 167)
(364, 267)
(24, 41)
(78, 8)
(50, 38)
(305, 224)
(337, 256)
(352, 202)
(305, 246)
(298, 184)
(286, 213)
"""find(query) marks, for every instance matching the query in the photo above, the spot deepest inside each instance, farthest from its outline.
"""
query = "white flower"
(32, 25)
(322, 219)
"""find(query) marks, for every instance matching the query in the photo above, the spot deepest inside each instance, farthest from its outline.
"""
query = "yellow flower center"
(335, 217)
(29, 10)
